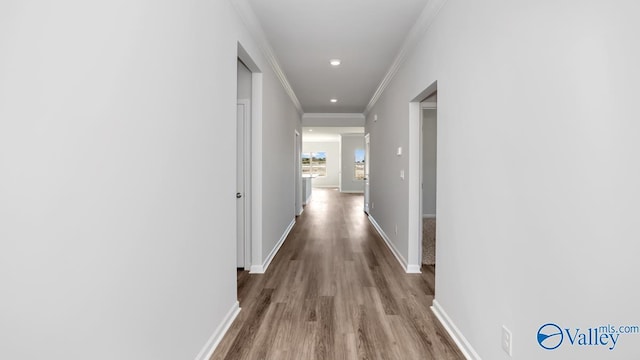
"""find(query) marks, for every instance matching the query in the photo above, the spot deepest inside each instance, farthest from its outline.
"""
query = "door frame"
(414, 260)
(367, 172)
(297, 146)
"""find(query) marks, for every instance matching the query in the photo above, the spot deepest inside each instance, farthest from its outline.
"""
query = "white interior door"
(367, 161)
(241, 183)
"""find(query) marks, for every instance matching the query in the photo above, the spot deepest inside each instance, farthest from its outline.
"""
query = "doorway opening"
(429, 163)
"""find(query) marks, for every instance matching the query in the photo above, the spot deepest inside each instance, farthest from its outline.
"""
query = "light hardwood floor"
(335, 291)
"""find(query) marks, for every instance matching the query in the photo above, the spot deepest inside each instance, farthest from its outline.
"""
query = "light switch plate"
(399, 153)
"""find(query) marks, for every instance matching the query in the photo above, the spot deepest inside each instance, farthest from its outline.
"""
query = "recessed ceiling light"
(335, 62)
(310, 129)
(334, 100)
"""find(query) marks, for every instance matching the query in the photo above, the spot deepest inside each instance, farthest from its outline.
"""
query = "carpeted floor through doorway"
(429, 241)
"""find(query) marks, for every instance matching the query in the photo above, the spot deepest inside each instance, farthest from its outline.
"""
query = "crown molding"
(426, 18)
(252, 23)
(356, 116)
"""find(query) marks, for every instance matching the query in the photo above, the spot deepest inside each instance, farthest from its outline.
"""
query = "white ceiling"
(365, 34)
(328, 134)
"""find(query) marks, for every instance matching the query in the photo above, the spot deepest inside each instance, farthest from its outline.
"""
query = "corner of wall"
(262, 268)
(408, 268)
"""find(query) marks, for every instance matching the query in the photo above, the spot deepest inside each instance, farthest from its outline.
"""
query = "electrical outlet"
(506, 340)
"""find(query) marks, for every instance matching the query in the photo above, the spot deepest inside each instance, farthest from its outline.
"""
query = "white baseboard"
(218, 334)
(429, 216)
(261, 269)
(391, 246)
(325, 186)
(352, 192)
(464, 345)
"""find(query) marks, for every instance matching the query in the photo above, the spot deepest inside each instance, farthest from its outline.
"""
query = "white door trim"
(415, 226)
(256, 172)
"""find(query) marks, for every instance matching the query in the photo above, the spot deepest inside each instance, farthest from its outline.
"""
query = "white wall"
(537, 168)
(429, 161)
(278, 166)
(333, 162)
(116, 123)
(348, 145)
(339, 119)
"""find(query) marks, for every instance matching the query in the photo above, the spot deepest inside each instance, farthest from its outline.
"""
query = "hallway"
(335, 291)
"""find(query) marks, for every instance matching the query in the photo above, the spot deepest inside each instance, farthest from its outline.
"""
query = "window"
(359, 164)
(314, 163)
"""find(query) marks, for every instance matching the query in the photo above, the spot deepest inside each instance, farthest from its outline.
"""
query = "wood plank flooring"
(335, 291)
